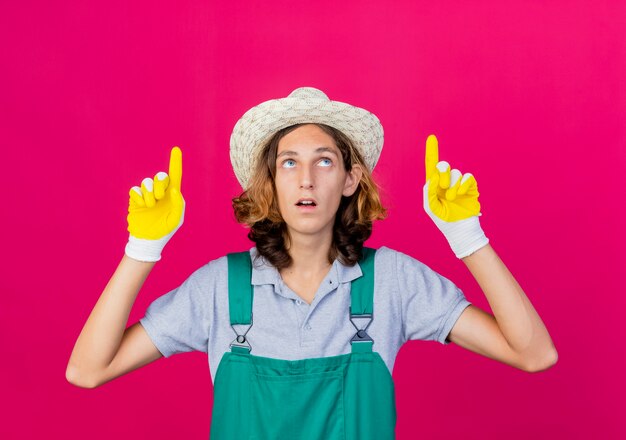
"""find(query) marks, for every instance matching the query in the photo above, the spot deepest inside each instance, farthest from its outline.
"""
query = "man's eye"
(288, 161)
(330, 162)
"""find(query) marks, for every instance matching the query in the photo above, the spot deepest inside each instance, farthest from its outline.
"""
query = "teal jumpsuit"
(350, 396)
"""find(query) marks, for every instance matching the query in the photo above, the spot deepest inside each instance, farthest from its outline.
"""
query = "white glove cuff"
(146, 250)
(464, 236)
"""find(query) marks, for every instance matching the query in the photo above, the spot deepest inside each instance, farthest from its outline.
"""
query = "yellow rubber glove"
(155, 211)
(451, 201)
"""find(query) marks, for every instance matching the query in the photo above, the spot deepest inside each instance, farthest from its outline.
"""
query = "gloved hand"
(155, 211)
(452, 203)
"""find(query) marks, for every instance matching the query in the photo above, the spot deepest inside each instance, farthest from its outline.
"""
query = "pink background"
(530, 98)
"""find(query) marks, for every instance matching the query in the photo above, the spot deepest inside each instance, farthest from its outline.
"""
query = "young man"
(289, 328)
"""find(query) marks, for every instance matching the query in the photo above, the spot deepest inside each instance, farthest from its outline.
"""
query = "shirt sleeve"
(179, 321)
(431, 303)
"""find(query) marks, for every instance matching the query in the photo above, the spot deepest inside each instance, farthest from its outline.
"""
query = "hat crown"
(308, 93)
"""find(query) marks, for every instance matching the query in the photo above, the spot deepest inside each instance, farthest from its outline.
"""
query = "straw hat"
(305, 104)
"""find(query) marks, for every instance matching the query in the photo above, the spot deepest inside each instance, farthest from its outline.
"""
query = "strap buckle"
(241, 340)
(361, 334)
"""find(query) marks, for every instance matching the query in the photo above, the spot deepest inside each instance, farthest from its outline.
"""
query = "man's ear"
(352, 180)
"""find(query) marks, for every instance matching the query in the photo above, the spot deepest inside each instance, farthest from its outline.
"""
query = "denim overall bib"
(350, 396)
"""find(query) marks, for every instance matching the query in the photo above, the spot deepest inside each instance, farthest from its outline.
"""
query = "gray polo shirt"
(411, 301)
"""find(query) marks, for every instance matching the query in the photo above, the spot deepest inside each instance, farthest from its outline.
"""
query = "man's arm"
(105, 347)
(515, 335)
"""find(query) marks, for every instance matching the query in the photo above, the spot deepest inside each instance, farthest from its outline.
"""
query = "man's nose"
(305, 177)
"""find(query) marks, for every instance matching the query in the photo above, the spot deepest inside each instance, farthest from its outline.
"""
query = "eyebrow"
(318, 150)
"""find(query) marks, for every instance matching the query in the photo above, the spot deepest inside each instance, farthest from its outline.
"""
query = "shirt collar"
(263, 272)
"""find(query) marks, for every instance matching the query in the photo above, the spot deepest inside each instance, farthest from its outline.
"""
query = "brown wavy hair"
(257, 207)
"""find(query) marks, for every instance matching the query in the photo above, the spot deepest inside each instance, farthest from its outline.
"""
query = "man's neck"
(309, 256)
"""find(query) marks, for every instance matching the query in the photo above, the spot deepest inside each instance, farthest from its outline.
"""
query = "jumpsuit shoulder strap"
(240, 297)
(362, 301)
(240, 289)
(362, 298)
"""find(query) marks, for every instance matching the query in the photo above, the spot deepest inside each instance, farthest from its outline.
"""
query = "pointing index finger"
(176, 167)
(432, 155)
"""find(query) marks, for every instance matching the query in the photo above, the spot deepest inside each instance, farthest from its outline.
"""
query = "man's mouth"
(306, 204)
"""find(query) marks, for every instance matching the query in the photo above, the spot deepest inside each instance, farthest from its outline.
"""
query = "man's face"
(309, 166)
